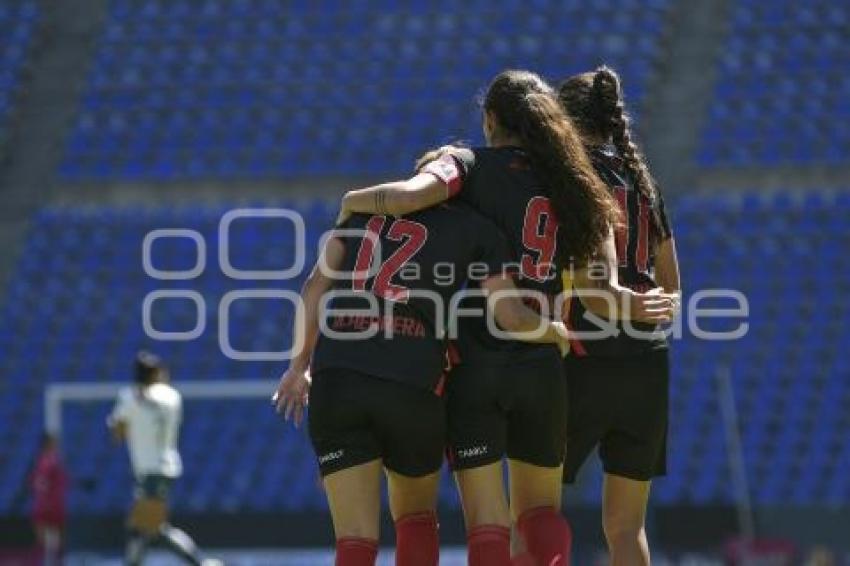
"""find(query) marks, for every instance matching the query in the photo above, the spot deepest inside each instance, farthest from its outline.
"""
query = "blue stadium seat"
(194, 90)
(18, 21)
(781, 95)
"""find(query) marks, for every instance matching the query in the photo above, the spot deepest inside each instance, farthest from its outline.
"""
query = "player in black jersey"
(535, 181)
(618, 387)
(377, 364)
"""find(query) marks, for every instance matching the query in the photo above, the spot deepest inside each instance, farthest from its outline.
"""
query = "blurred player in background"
(618, 387)
(148, 416)
(377, 402)
(535, 181)
(49, 483)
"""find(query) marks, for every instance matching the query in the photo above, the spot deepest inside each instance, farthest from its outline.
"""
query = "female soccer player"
(148, 416)
(49, 484)
(535, 181)
(618, 387)
(375, 399)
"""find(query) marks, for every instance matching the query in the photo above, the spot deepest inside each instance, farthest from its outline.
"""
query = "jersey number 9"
(539, 235)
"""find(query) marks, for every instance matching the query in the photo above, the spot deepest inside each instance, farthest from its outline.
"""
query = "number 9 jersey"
(499, 182)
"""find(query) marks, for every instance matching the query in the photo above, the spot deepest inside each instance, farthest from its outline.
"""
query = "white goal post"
(56, 394)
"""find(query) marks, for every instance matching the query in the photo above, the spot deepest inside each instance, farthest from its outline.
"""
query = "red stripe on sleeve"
(448, 171)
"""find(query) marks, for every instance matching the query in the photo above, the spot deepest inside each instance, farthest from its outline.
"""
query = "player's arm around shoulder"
(397, 198)
(521, 322)
(438, 177)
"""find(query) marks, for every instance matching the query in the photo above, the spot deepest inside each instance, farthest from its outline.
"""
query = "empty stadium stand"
(190, 89)
(783, 96)
(784, 252)
(17, 26)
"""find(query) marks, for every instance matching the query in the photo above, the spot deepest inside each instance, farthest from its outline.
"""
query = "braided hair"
(595, 102)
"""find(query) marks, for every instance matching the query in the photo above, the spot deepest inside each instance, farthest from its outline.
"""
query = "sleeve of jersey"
(176, 412)
(665, 231)
(122, 406)
(450, 170)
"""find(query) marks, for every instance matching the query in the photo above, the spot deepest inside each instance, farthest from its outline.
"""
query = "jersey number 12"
(412, 236)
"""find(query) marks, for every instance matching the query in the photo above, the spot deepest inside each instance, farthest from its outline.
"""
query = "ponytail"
(608, 96)
(595, 101)
(526, 107)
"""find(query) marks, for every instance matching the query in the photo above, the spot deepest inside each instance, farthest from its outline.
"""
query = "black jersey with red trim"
(500, 183)
(397, 283)
(645, 223)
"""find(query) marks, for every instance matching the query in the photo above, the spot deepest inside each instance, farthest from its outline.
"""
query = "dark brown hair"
(595, 102)
(147, 367)
(525, 107)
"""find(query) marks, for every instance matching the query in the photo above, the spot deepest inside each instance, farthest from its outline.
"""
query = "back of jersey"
(645, 221)
(500, 183)
(410, 268)
(644, 224)
(153, 415)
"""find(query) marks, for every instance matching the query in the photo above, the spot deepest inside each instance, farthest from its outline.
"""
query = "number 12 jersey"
(396, 286)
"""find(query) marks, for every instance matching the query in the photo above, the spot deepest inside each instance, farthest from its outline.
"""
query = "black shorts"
(153, 486)
(355, 418)
(516, 410)
(621, 404)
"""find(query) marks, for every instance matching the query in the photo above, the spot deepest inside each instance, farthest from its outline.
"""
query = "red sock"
(489, 545)
(354, 551)
(416, 540)
(524, 559)
(547, 536)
